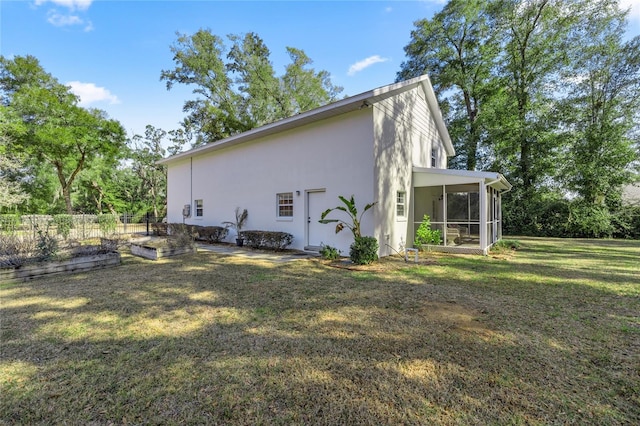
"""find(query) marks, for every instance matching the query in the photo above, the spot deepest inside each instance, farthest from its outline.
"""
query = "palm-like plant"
(241, 219)
(349, 208)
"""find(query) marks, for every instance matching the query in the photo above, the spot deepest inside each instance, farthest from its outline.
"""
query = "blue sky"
(112, 52)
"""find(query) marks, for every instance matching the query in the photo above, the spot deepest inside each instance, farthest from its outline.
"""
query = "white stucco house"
(631, 194)
(388, 145)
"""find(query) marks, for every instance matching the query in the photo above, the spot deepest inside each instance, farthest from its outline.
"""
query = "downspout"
(505, 190)
(190, 188)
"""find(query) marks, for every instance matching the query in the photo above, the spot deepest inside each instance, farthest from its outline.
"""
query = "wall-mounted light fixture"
(365, 104)
(298, 193)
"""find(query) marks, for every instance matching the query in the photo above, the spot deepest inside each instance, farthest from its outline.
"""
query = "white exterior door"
(316, 231)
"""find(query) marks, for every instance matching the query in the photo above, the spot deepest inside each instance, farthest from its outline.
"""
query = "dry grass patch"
(550, 334)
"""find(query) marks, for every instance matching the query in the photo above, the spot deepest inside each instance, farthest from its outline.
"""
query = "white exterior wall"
(333, 155)
(405, 134)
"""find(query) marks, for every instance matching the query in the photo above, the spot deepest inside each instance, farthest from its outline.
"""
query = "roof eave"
(349, 104)
(352, 104)
(432, 100)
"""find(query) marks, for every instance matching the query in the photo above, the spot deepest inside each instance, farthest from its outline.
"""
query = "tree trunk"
(472, 142)
(66, 183)
(95, 185)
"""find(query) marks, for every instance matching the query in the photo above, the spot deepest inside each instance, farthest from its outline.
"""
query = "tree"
(262, 100)
(98, 188)
(237, 89)
(179, 138)
(145, 152)
(457, 49)
(601, 109)
(305, 88)
(58, 131)
(556, 108)
(11, 194)
(535, 45)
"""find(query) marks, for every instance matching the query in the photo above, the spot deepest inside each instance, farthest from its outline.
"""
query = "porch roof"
(423, 176)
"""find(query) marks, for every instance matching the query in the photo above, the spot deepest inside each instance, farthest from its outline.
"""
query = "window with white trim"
(434, 157)
(199, 207)
(401, 204)
(285, 204)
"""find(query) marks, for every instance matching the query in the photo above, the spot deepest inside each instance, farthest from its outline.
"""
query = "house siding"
(406, 133)
(333, 155)
(365, 146)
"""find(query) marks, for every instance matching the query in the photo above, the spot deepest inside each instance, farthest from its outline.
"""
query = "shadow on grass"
(214, 339)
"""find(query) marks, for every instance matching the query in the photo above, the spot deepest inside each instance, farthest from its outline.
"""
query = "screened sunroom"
(466, 207)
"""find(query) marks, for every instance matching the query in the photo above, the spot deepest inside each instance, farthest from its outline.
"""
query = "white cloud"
(388, 9)
(90, 93)
(61, 20)
(67, 19)
(58, 20)
(634, 13)
(365, 63)
(70, 4)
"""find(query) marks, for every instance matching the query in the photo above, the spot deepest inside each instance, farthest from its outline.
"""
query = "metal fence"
(80, 226)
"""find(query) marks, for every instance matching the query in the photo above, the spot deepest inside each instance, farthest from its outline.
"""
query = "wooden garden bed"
(156, 252)
(54, 267)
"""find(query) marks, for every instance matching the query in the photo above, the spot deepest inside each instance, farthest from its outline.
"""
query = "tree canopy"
(236, 86)
(545, 91)
(54, 131)
(56, 156)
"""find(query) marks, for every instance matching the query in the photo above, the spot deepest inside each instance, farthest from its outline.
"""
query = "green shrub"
(364, 250)
(84, 220)
(589, 221)
(626, 222)
(64, 224)
(273, 240)
(107, 223)
(426, 235)
(330, 253)
(506, 245)
(213, 234)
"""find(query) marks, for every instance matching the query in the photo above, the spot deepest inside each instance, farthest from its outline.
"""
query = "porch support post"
(483, 214)
(444, 211)
(411, 216)
(499, 213)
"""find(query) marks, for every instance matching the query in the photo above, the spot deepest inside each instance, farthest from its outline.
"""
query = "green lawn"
(548, 335)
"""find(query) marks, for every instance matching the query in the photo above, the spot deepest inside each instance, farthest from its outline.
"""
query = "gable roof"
(343, 106)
